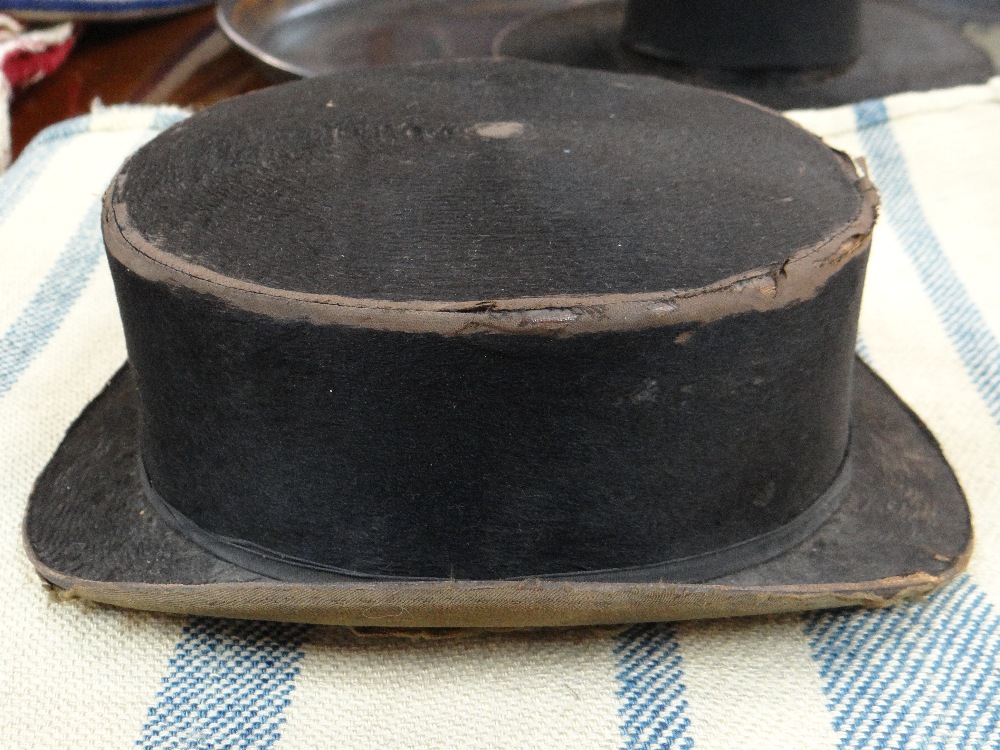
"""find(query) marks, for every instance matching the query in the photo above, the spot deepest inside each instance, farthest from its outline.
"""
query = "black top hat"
(492, 343)
(782, 53)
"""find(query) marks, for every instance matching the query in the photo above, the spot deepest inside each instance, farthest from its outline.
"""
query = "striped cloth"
(918, 675)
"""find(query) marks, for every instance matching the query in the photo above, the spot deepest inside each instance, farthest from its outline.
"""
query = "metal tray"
(313, 37)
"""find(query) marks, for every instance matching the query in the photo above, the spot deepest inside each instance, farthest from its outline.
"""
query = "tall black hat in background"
(785, 53)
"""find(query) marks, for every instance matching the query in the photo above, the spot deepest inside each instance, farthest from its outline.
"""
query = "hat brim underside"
(903, 529)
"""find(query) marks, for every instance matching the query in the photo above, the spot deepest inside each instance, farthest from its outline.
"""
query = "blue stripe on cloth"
(861, 347)
(26, 169)
(33, 159)
(228, 686)
(651, 689)
(924, 674)
(163, 119)
(53, 300)
(28, 335)
(969, 333)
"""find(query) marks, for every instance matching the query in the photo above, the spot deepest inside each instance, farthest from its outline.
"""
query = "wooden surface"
(181, 60)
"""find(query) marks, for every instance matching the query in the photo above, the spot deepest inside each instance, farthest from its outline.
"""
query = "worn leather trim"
(796, 279)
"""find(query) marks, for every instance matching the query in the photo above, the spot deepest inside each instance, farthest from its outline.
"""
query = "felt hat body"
(493, 343)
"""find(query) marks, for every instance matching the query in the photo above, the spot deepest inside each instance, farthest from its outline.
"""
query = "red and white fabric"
(26, 56)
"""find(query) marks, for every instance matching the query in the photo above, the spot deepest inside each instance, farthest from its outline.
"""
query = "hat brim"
(55, 11)
(903, 529)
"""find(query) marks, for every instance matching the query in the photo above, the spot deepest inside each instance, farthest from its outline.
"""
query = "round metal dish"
(313, 37)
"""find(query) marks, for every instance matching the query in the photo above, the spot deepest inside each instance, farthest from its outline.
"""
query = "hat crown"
(485, 181)
(776, 34)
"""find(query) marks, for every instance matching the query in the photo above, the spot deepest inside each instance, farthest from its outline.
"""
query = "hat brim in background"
(96, 10)
(903, 529)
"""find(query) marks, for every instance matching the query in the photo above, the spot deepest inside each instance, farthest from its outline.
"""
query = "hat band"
(691, 569)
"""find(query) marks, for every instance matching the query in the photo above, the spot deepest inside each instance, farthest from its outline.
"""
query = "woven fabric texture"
(918, 675)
